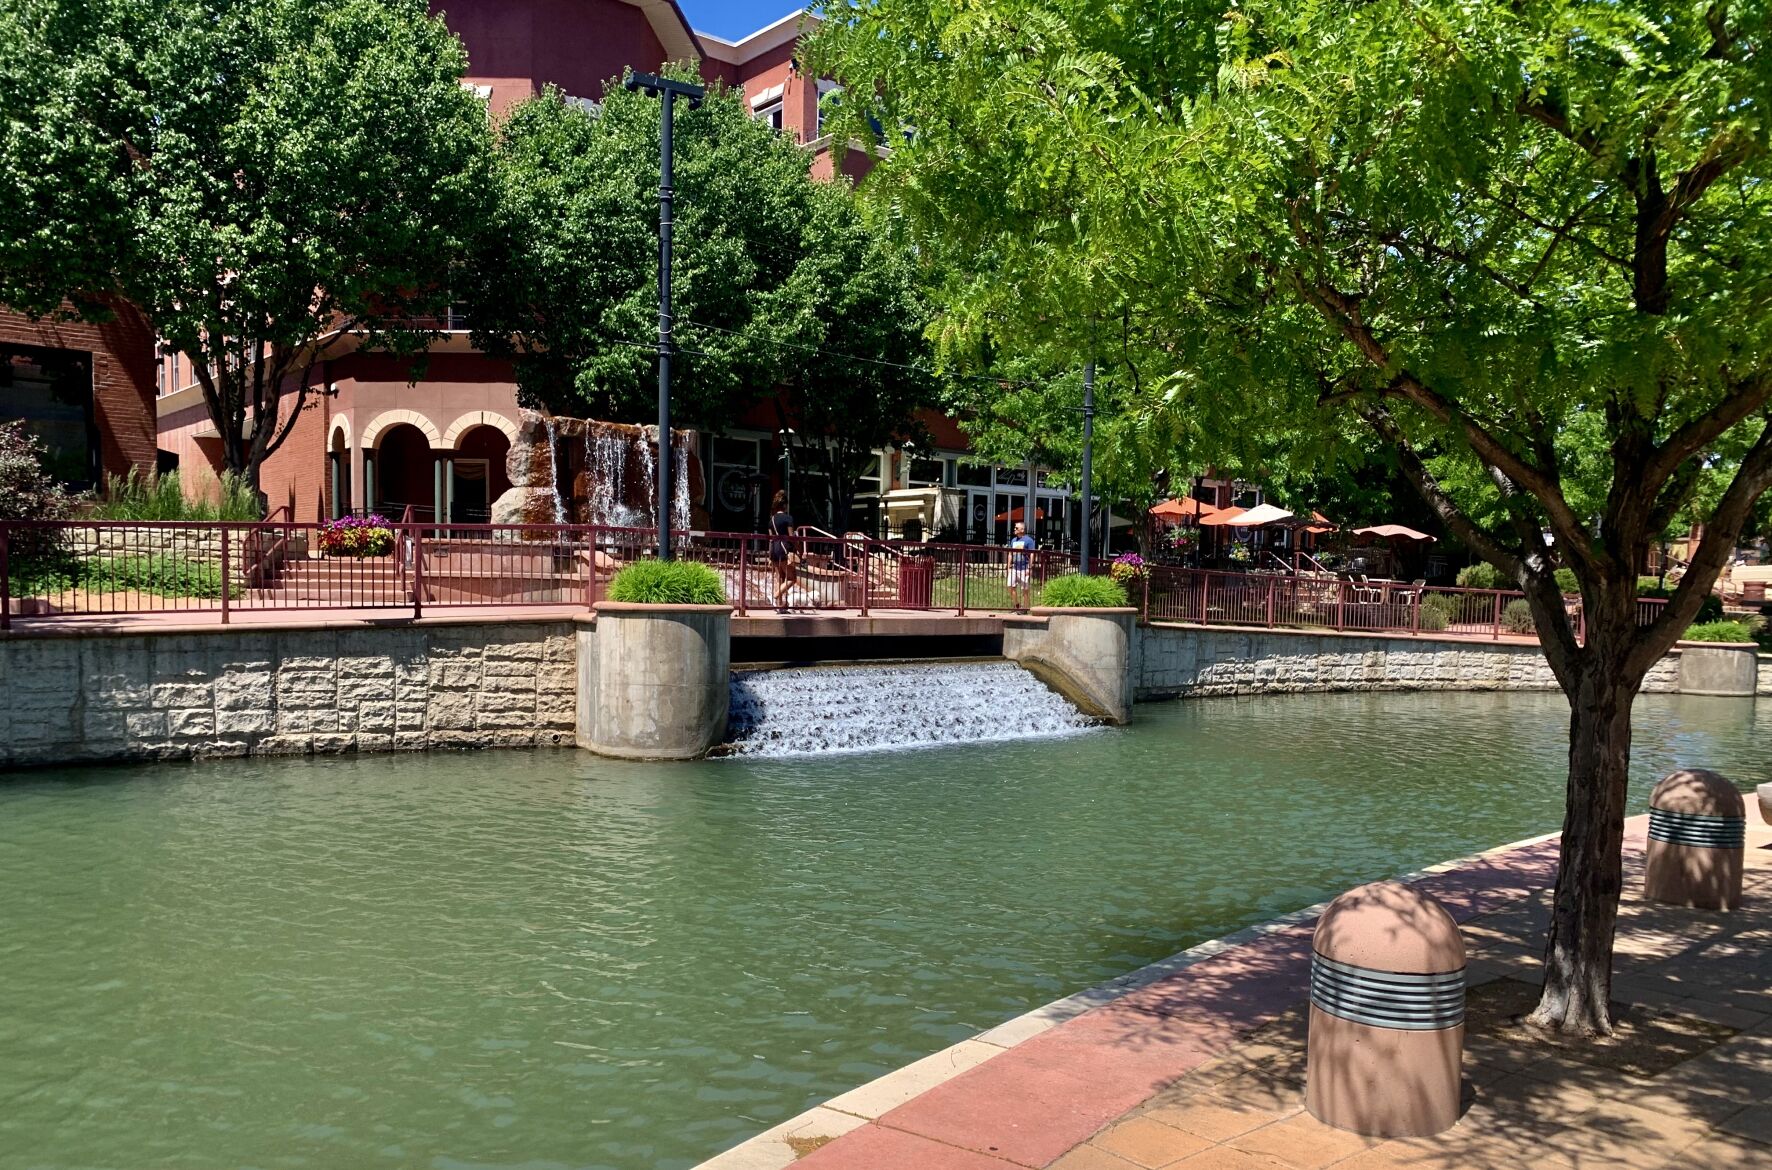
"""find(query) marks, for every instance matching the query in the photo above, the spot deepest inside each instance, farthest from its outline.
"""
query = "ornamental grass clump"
(1076, 591)
(357, 536)
(668, 583)
(1719, 632)
(1517, 617)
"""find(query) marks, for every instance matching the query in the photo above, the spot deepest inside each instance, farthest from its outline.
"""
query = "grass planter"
(1076, 591)
(668, 583)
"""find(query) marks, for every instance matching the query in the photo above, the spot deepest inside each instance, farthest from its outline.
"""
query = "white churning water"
(807, 710)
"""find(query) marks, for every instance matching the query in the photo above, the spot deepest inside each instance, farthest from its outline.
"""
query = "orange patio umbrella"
(1014, 514)
(1221, 518)
(1186, 508)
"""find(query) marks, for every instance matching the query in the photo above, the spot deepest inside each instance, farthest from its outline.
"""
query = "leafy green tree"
(776, 282)
(261, 178)
(857, 368)
(1483, 234)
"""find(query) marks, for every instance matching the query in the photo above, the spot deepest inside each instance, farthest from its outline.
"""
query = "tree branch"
(1721, 532)
(1342, 312)
(1746, 396)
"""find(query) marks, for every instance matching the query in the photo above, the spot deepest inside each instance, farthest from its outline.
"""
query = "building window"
(828, 95)
(974, 474)
(770, 112)
(51, 390)
(926, 472)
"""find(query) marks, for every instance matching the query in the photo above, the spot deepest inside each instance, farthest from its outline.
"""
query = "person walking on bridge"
(1021, 573)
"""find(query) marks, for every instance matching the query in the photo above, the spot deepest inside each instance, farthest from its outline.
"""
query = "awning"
(1186, 508)
(1393, 532)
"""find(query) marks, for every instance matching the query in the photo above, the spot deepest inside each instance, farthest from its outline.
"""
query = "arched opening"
(478, 475)
(405, 473)
(338, 474)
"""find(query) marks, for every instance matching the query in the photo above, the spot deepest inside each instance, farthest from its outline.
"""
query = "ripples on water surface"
(544, 959)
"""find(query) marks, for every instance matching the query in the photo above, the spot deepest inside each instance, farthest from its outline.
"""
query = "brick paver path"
(1686, 1083)
(1204, 1069)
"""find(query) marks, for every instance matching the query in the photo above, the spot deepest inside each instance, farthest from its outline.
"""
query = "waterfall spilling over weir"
(807, 710)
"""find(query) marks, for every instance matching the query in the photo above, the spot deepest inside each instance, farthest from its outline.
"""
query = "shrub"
(27, 492)
(160, 574)
(1433, 617)
(1719, 632)
(1516, 617)
(1652, 587)
(668, 583)
(162, 497)
(357, 536)
(1566, 582)
(1074, 590)
(1481, 575)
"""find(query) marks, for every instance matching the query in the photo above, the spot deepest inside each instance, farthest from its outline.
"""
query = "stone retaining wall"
(1175, 661)
(248, 692)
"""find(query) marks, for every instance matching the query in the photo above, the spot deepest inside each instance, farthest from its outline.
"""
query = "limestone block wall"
(244, 692)
(1173, 661)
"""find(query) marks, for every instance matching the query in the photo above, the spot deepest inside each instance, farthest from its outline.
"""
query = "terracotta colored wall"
(799, 93)
(122, 379)
(518, 46)
(296, 473)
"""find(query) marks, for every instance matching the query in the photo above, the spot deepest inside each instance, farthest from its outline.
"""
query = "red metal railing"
(118, 567)
(114, 567)
(1274, 600)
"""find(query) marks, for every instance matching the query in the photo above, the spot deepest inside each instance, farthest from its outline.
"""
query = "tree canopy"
(777, 283)
(257, 176)
(1519, 252)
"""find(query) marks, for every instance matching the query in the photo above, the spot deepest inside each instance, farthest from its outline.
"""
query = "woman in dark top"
(781, 525)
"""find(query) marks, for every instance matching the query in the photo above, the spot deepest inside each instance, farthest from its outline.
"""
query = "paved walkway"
(1203, 1068)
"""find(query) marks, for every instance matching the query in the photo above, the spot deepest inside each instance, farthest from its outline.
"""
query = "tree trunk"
(1590, 874)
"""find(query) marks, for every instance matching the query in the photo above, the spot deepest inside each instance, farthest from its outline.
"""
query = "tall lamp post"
(667, 91)
(1088, 445)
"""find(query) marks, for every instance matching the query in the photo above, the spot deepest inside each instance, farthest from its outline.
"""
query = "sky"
(735, 19)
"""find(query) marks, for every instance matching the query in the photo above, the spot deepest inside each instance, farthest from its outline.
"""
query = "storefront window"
(51, 390)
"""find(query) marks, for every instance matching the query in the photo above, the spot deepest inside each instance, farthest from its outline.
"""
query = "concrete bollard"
(1386, 1014)
(1697, 832)
(1764, 792)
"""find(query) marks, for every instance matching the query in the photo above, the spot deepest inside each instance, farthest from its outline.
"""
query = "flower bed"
(357, 536)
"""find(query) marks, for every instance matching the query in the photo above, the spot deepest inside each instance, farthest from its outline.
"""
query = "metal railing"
(1274, 601)
(114, 567)
(53, 568)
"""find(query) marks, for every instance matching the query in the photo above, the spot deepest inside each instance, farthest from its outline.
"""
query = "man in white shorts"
(1021, 577)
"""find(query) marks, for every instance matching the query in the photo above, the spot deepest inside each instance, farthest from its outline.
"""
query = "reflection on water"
(545, 959)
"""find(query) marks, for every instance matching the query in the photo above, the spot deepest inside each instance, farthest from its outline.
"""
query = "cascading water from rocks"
(807, 710)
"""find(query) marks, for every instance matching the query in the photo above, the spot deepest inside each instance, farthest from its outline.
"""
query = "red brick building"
(376, 441)
(87, 391)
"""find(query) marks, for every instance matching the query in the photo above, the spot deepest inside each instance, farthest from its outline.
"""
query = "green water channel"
(544, 959)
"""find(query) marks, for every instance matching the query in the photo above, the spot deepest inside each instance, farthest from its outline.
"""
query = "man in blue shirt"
(1021, 577)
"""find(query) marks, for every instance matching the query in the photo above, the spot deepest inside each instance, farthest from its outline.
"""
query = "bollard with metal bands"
(1697, 829)
(1387, 999)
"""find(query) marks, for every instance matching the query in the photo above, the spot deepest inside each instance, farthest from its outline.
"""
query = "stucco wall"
(1173, 661)
(245, 692)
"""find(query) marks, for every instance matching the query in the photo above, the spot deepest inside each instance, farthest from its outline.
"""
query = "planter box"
(1719, 668)
(655, 680)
